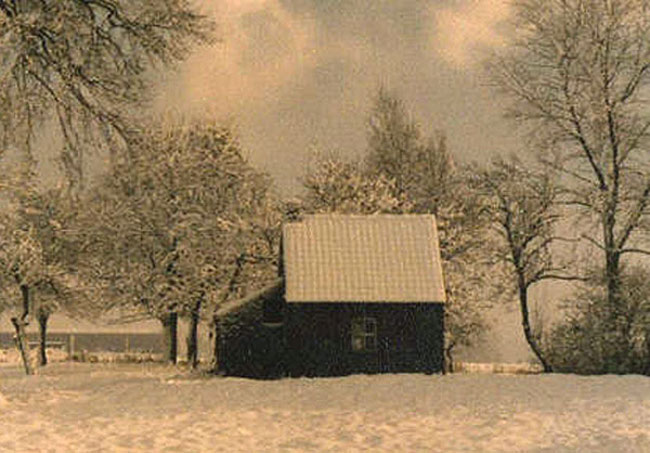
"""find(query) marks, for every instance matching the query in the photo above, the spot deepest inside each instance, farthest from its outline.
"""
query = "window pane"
(364, 334)
(357, 327)
(370, 325)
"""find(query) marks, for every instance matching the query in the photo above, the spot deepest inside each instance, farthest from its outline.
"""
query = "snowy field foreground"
(154, 408)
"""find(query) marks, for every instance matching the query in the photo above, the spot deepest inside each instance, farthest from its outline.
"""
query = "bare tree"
(80, 66)
(521, 206)
(577, 73)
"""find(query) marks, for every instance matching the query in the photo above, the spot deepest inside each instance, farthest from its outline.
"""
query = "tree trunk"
(217, 350)
(448, 366)
(525, 322)
(22, 344)
(646, 371)
(20, 325)
(193, 336)
(170, 333)
(619, 349)
(612, 264)
(43, 317)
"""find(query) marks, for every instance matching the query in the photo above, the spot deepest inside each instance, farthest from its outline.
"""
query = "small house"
(357, 294)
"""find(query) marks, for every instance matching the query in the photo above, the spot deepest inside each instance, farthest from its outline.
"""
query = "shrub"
(598, 338)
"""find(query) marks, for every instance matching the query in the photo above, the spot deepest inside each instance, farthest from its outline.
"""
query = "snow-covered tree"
(576, 74)
(80, 68)
(335, 185)
(521, 206)
(169, 224)
(404, 172)
(36, 256)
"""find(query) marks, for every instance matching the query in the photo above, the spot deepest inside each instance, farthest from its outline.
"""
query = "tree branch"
(593, 242)
(7, 9)
(635, 250)
(551, 276)
(635, 216)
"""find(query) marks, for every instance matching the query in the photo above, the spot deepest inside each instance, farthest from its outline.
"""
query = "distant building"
(357, 294)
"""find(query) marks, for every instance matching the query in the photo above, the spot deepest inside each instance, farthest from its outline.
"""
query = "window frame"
(363, 334)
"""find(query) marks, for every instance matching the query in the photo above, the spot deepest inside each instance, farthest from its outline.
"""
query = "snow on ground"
(155, 408)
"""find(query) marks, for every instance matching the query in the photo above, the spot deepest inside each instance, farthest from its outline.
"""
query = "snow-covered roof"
(269, 291)
(351, 258)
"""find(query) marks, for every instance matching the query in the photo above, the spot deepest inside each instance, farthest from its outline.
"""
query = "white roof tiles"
(347, 258)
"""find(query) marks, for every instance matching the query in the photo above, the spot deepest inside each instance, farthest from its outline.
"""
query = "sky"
(297, 77)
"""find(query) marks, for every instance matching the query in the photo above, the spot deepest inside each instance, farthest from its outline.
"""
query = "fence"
(93, 342)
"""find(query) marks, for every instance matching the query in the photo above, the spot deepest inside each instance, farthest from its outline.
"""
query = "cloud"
(262, 47)
(465, 29)
(297, 74)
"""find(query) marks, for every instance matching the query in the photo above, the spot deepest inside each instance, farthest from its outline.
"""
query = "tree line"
(179, 222)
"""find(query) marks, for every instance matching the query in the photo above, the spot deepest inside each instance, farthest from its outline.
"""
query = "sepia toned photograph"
(324, 226)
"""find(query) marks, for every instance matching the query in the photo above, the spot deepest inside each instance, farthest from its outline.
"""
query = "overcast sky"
(296, 76)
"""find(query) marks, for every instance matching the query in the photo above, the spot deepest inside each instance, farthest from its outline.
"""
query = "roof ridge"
(368, 217)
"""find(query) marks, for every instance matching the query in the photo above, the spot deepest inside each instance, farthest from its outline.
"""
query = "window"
(364, 334)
